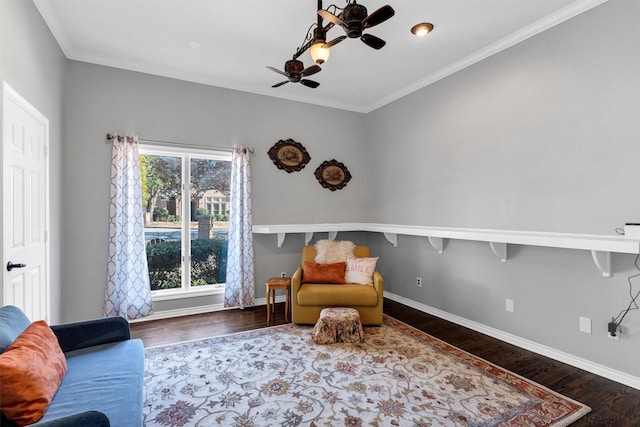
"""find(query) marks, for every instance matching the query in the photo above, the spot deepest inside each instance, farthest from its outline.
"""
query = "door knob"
(11, 266)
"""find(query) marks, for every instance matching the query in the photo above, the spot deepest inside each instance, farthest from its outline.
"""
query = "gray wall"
(102, 99)
(543, 136)
(32, 63)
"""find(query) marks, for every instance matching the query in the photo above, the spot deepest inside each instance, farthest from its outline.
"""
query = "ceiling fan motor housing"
(293, 69)
(353, 15)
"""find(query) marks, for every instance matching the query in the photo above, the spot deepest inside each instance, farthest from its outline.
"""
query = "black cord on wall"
(614, 325)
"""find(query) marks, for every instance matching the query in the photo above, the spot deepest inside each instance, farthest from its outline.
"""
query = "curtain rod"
(177, 144)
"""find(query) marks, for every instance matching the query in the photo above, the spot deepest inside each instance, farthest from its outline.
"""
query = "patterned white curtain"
(128, 293)
(240, 289)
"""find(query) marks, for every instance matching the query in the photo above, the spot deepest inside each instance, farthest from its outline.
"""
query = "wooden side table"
(278, 283)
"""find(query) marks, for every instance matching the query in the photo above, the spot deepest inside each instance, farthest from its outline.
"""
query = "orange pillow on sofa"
(323, 273)
(31, 370)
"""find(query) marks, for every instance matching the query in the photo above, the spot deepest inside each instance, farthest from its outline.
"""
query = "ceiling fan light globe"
(319, 54)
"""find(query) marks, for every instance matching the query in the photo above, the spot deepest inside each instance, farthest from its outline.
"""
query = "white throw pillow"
(330, 252)
(360, 270)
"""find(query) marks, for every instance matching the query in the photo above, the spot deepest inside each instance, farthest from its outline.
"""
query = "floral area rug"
(399, 376)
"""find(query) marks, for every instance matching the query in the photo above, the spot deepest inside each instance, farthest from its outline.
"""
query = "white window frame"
(186, 154)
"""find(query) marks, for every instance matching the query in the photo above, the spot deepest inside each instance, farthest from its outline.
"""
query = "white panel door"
(25, 207)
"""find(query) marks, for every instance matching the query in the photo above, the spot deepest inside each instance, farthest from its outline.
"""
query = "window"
(185, 197)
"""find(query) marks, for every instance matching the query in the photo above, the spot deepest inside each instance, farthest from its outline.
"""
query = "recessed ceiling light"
(422, 29)
(194, 44)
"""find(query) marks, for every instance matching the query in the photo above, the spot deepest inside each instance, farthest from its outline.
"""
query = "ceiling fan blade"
(310, 83)
(378, 17)
(276, 70)
(373, 41)
(330, 17)
(280, 84)
(311, 70)
(333, 42)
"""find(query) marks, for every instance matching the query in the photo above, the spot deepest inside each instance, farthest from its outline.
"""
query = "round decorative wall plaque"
(333, 175)
(289, 155)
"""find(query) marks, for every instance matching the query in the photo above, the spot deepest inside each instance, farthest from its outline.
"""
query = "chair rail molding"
(601, 246)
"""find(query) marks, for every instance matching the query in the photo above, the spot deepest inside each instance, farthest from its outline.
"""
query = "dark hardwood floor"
(612, 404)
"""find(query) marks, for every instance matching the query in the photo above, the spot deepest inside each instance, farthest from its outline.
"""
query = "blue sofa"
(103, 384)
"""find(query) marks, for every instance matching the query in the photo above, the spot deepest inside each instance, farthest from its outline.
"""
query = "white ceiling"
(240, 37)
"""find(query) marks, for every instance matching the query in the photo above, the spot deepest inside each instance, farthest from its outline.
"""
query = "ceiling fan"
(354, 20)
(295, 72)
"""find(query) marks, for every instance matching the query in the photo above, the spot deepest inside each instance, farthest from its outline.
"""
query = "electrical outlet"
(509, 306)
(419, 281)
(283, 274)
(615, 338)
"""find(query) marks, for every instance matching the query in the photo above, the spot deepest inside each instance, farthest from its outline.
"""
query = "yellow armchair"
(308, 299)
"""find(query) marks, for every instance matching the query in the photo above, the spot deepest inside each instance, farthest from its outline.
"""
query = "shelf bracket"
(437, 243)
(281, 237)
(392, 238)
(307, 237)
(332, 235)
(603, 262)
(500, 250)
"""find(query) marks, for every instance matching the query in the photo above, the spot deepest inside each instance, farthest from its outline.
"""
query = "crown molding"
(519, 36)
(562, 15)
(56, 28)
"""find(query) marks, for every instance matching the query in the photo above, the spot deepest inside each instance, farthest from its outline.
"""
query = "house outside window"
(186, 201)
(216, 204)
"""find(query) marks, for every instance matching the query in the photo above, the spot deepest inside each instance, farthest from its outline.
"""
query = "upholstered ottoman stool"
(338, 324)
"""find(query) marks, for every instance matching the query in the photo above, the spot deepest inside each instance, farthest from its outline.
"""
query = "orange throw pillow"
(31, 370)
(323, 273)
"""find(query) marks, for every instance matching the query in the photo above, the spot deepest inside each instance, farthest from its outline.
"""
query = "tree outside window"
(182, 225)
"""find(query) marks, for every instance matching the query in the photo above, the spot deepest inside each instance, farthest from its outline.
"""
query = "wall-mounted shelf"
(601, 246)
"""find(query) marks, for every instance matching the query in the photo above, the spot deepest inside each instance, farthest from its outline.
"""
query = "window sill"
(181, 294)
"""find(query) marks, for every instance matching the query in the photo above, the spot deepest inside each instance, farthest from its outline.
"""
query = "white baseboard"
(553, 353)
(188, 311)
